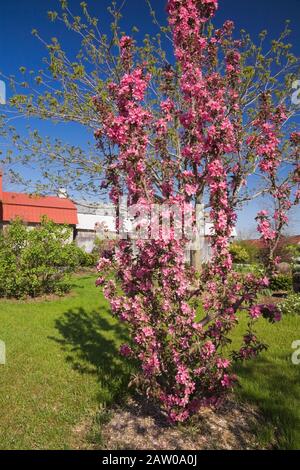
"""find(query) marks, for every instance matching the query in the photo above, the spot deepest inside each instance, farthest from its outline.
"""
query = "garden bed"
(139, 425)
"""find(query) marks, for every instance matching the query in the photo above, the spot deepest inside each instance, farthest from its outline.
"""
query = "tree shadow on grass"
(91, 340)
(277, 393)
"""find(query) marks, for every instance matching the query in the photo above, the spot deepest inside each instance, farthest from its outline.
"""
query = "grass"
(63, 367)
(271, 382)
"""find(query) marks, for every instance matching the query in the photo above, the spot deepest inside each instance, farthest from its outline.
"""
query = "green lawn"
(272, 382)
(63, 366)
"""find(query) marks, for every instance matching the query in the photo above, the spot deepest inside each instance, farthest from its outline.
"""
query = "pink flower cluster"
(126, 46)
(264, 226)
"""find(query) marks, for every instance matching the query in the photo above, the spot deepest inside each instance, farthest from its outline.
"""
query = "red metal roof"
(32, 208)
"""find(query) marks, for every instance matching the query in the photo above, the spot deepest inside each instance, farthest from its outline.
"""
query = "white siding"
(90, 222)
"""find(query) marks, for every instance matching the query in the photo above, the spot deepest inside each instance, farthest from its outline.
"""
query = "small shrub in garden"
(239, 254)
(85, 260)
(35, 261)
(291, 305)
(243, 249)
(281, 282)
(292, 252)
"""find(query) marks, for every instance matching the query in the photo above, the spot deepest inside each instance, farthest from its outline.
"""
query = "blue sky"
(18, 47)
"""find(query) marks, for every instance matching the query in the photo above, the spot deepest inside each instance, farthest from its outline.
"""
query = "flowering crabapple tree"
(195, 145)
(212, 125)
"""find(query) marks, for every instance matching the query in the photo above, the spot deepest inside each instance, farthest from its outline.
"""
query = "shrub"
(85, 260)
(291, 305)
(281, 282)
(239, 254)
(248, 268)
(292, 252)
(252, 250)
(286, 253)
(36, 261)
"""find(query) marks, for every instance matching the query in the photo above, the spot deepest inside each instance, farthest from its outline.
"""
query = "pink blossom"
(255, 312)
(190, 189)
(100, 281)
(125, 350)
(223, 363)
(228, 381)
(208, 349)
(182, 375)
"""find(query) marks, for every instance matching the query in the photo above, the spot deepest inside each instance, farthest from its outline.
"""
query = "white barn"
(97, 221)
(100, 221)
(94, 221)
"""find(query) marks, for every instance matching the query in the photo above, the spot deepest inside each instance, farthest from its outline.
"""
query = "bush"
(286, 253)
(86, 260)
(239, 254)
(281, 282)
(291, 305)
(242, 246)
(296, 266)
(36, 261)
(293, 251)
(90, 260)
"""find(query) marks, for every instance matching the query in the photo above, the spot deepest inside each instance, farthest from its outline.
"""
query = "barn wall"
(88, 222)
(85, 239)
